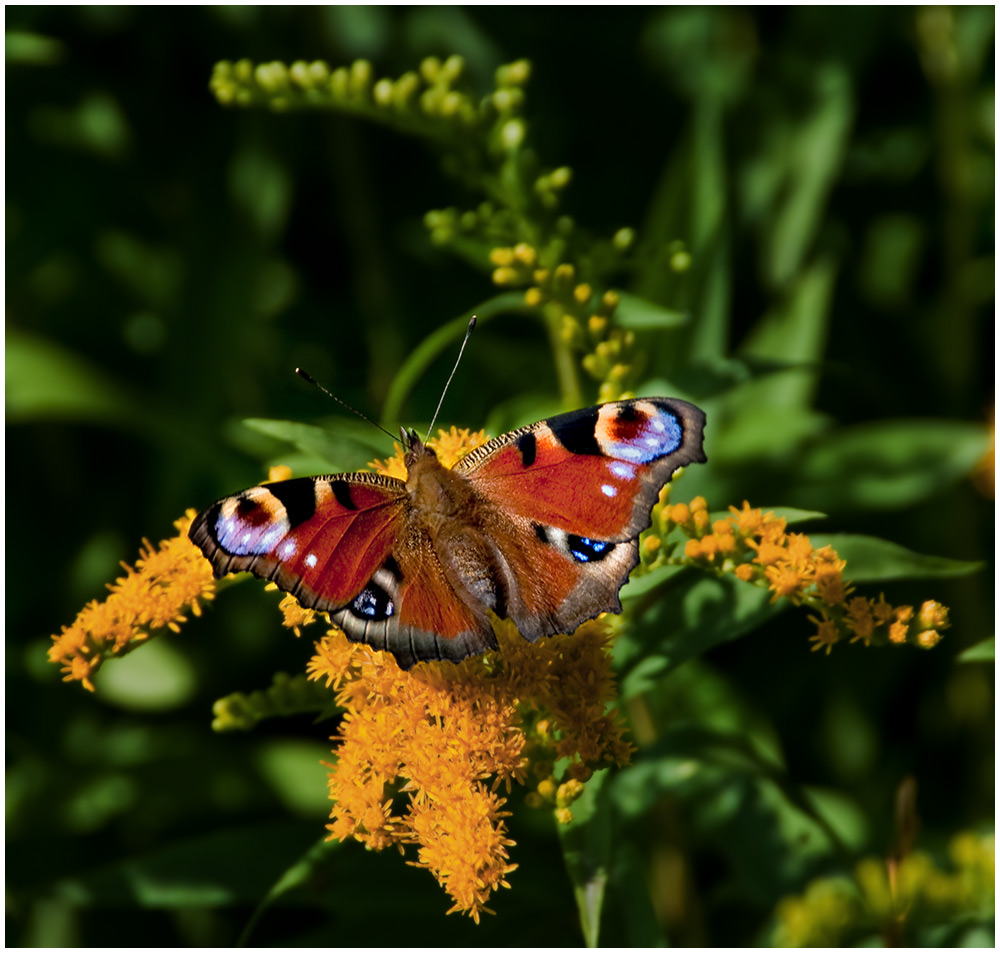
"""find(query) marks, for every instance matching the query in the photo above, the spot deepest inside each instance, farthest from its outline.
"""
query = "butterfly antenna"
(306, 376)
(461, 351)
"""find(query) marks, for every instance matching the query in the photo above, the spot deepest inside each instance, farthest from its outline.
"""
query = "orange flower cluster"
(421, 755)
(165, 584)
(755, 547)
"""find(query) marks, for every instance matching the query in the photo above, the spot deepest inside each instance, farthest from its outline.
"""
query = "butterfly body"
(539, 525)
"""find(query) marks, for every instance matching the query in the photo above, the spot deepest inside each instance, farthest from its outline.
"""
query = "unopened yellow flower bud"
(547, 788)
(680, 261)
(564, 815)
(692, 548)
(542, 276)
(502, 256)
(560, 178)
(623, 239)
(430, 68)
(525, 254)
(382, 92)
(700, 518)
(610, 300)
(504, 276)
(698, 503)
(651, 546)
(582, 293)
(534, 297)
(597, 325)
(564, 274)
(680, 513)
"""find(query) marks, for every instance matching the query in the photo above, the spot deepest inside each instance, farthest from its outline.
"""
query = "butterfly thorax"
(435, 492)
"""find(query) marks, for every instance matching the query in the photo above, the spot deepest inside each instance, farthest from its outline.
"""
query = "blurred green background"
(170, 262)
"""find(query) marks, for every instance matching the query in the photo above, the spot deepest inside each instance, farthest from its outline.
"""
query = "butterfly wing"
(569, 497)
(348, 545)
(319, 538)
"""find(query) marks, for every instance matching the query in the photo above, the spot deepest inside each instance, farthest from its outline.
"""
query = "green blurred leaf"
(640, 314)
(870, 559)
(294, 768)
(687, 615)
(980, 652)
(631, 892)
(342, 445)
(440, 340)
(159, 677)
(887, 465)
(47, 382)
(225, 867)
(31, 49)
(586, 847)
(813, 149)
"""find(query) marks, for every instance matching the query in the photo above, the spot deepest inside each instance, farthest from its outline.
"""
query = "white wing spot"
(609, 490)
(311, 560)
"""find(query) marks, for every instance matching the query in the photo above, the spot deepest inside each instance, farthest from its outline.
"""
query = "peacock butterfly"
(540, 525)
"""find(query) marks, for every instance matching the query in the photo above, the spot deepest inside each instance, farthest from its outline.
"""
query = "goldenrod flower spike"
(756, 548)
(167, 582)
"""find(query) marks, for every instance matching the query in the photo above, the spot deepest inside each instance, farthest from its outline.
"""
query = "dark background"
(170, 261)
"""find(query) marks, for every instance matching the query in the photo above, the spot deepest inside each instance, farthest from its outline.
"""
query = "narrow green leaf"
(870, 559)
(641, 314)
(980, 652)
(586, 847)
(434, 344)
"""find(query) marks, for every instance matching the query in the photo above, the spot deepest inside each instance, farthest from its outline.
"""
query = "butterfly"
(540, 525)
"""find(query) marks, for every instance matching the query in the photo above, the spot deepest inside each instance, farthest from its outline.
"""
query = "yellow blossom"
(167, 582)
(447, 736)
(826, 635)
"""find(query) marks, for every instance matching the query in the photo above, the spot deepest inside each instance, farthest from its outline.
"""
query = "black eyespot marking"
(576, 431)
(245, 506)
(297, 496)
(372, 604)
(585, 550)
(342, 494)
(629, 413)
(540, 532)
(527, 446)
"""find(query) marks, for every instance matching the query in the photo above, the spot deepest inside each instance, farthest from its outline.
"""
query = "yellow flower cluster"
(166, 583)
(756, 547)
(887, 896)
(583, 315)
(421, 755)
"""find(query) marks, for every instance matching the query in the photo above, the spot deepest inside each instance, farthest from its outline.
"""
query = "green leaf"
(434, 344)
(689, 614)
(227, 867)
(641, 314)
(586, 847)
(342, 445)
(887, 465)
(980, 652)
(48, 382)
(870, 559)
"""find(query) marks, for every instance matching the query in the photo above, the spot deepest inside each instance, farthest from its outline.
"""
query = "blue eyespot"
(372, 603)
(585, 550)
